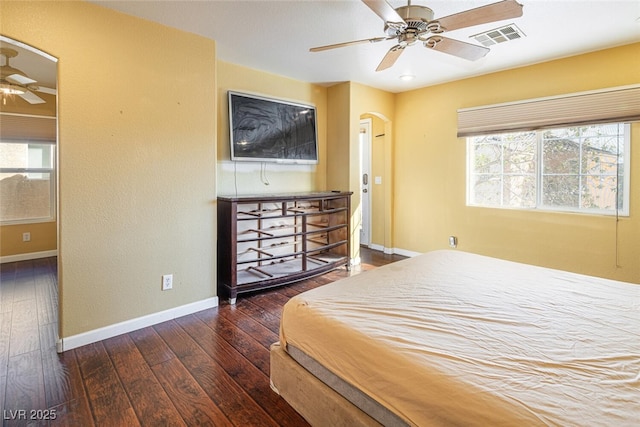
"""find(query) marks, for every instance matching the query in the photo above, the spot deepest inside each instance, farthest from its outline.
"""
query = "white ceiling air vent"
(499, 35)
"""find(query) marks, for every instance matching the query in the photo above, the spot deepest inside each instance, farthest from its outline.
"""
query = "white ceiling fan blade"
(464, 50)
(333, 46)
(43, 89)
(506, 9)
(20, 79)
(386, 12)
(31, 98)
(391, 57)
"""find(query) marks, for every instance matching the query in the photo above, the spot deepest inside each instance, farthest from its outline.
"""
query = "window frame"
(539, 206)
(52, 171)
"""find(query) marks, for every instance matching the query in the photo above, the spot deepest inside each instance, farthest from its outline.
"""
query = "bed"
(457, 339)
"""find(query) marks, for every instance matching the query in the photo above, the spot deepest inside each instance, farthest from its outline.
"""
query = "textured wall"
(430, 167)
(137, 157)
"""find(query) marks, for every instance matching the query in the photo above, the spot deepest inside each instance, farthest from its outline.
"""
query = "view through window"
(27, 185)
(579, 169)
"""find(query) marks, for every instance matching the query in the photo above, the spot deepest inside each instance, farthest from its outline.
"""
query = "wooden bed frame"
(314, 400)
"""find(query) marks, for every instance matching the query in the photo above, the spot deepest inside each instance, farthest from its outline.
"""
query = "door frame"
(365, 168)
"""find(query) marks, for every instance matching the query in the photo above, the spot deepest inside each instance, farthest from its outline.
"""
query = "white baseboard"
(405, 252)
(391, 251)
(127, 326)
(376, 247)
(25, 257)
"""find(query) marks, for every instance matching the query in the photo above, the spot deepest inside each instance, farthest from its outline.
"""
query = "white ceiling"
(275, 36)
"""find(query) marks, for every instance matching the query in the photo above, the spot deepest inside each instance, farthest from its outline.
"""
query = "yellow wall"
(338, 136)
(347, 103)
(430, 173)
(43, 238)
(137, 135)
(252, 177)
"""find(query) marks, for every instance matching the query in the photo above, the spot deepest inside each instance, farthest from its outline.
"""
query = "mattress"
(452, 338)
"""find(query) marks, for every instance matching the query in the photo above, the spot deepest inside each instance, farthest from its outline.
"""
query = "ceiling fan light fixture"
(407, 77)
(11, 89)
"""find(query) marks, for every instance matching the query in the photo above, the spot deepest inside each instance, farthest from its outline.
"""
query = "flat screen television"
(270, 130)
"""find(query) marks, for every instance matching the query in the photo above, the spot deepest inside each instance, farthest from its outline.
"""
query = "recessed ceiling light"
(407, 77)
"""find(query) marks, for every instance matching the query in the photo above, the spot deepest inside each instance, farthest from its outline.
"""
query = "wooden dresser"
(272, 240)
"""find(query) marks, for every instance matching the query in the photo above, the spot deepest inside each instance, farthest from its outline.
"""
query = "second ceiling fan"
(15, 82)
(412, 24)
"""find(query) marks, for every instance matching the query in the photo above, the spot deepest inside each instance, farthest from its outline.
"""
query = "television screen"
(269, 130)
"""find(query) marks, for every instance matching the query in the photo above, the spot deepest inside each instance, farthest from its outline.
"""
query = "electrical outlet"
(453, 241)
(26, 237)
(167, 282)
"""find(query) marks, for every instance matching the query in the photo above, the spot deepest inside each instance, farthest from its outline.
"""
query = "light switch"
(377, 180)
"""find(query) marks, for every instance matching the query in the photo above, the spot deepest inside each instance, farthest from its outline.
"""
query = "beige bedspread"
(451, 338)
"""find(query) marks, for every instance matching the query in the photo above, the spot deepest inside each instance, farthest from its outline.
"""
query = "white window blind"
(620, 104)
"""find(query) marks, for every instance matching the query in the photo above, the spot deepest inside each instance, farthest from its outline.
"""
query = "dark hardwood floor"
(208, 368)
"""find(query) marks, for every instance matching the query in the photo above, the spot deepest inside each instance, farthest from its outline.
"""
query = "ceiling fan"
(412, 24)
(16, 82)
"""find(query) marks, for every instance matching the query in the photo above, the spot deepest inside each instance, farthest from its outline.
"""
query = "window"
(27, 182)
(578, 169)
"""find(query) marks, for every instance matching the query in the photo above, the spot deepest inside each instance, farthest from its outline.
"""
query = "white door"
(365, 181)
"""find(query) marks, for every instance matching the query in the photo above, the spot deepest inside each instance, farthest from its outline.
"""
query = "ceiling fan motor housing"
(412, 24)
(417, 18)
